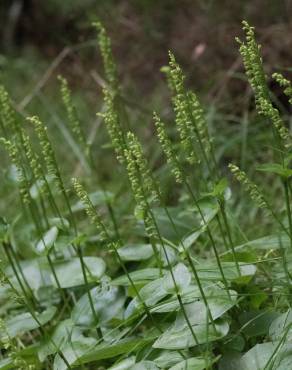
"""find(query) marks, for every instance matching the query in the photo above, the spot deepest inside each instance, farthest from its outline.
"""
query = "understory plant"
(134, 278)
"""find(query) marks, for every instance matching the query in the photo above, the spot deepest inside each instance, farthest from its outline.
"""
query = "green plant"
(148, 285)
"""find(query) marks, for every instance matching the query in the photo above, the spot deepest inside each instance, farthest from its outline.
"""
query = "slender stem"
(222, 232)
(177, 292)
(56, 277)
(222, 207)
(189, 259)
(80, 254)
(216, 172)
(22, 273)
(210, 236)
(108, 202)
(288, 208)
(24, 291)
(270, 209)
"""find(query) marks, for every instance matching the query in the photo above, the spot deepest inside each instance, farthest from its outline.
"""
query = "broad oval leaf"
(58, 339)
(124, 364)
(111, 350)
(24, 322)
(257, 357)
(156, 290)
(167, 358)
(136, 252)
(139, 277)
(140, 252)
(36, 272)
(73, 351)
(144, 365)
(69, 273)
(217, 297)
(60, 222)
(45, 244)
(266, 243)
(211, 272)
(181, 278)
(267, 356)
(194, 363)
(282, 325)
(108, 302)
(256, 323)
(183, 338)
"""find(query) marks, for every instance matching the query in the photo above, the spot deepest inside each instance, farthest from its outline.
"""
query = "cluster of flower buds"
(251, 188)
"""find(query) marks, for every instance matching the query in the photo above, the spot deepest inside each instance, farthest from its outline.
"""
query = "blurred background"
(36, 35)
(41, 39)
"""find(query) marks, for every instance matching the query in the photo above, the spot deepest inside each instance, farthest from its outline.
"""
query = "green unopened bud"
(107, 56)
(168, 150)
(92, 213)
(16, 159)
(251, 188)
(71, 112)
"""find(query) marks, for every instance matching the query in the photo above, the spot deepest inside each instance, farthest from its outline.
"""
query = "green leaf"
(275, 168)
(211, 272)
(267, 356)
(190, 238)
(110, 350)
(266, 242)
(209, 207)
(194, 363)
(167, 359)
(124, 364)
(45, 244)
(209, 210)
(183, 219)
(156, 290)
(234, 343)
(139, 277)
(190, 294)
(61, 336)
(257, 357)
(73, 351)
(218, 301)
(280, 325)
(70, 274)
(108, 302)
(257, 296)
(136, 252)
(64, 242)
(256, 323)
(24, 322)
(140, 252)
(220, 188)
(7, 363)
(180, 337)
(35, 189)
(70, 340)
(230, 361)
(60, 222)
(180, 277)
(144, 365)
(36, 272)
